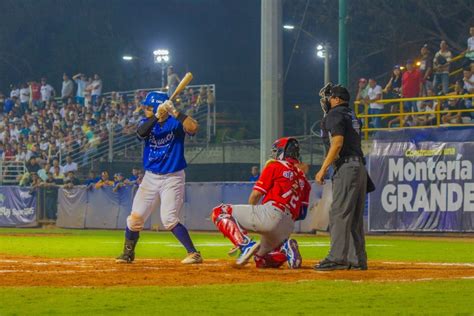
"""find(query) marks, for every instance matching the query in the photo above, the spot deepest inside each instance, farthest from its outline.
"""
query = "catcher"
(285, 191)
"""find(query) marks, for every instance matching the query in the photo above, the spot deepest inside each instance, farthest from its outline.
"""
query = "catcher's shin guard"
(128, 254)
(274, 259)
(222, 218)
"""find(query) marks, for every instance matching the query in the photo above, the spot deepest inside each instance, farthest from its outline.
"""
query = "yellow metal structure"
(365, 116)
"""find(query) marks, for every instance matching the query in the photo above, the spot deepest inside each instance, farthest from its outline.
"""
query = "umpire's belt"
(338, 163)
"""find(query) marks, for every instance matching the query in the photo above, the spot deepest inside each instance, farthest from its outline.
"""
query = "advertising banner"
(17, 206)
(424, 181)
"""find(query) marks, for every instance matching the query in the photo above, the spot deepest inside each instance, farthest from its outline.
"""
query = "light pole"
(161, 56)
(323, 51)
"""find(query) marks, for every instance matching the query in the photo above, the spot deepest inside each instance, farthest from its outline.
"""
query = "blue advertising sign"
(17, 206)
(424, 181)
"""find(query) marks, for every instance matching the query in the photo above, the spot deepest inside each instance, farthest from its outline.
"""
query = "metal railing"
(11, 170)
(437, 112)
(113, 144)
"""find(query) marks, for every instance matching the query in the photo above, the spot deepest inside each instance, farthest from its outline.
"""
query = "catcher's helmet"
(154, 99)
(287, 147)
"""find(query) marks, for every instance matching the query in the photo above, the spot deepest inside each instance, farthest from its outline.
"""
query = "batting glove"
(169, 106)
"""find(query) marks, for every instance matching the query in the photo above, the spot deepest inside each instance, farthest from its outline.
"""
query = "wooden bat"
(184, 82)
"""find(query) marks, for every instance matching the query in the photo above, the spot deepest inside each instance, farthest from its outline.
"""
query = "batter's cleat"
(246, 252)
(128, 255)
(292, 252)
(192, 258)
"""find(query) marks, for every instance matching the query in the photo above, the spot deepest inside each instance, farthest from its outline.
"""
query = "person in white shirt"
(374, 93)
(56, 164)
(67, 89)
(24, 97)
(470, 46)
(96, 89)
(441, 62)
(47, 91)
(468, 79)
(15, 92)
(70, 165)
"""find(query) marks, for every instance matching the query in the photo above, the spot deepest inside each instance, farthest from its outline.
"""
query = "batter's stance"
(163, 131)
(285, 193)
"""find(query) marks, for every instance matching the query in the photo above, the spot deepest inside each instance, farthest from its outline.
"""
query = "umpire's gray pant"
(349, 186)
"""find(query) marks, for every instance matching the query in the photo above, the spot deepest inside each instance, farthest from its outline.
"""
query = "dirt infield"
(26, 271)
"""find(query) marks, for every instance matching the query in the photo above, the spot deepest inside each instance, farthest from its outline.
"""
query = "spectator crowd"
(429, 76)
(56, 133)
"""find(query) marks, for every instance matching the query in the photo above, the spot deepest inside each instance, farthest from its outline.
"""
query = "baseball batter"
(163, 131)
(285, 193)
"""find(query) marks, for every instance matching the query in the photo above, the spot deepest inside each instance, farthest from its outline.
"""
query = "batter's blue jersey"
(164, 147)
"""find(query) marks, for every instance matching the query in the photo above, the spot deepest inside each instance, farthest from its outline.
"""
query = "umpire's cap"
(341, 93)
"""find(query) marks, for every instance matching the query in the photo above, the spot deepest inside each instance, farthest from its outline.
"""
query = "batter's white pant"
(269, 221)
(155, 188)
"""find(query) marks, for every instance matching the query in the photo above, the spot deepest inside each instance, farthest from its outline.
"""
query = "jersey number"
(294, 198)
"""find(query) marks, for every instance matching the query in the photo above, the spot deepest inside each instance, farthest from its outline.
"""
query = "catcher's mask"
(336, 91)
(287, 147)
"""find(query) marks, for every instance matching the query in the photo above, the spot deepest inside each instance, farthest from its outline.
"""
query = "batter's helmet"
(154, 99)
(287, 147)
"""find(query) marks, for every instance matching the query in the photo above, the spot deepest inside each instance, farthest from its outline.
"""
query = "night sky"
(218, 41)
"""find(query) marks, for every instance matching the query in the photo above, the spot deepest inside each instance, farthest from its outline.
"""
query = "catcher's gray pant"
(349, 186)
(269, 221)
(155, 188)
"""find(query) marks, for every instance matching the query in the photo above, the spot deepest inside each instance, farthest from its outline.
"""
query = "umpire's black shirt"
(342, 121)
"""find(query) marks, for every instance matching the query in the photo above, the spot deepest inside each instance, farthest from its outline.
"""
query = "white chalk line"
(226, 244)
(58, 272)
(454, 264)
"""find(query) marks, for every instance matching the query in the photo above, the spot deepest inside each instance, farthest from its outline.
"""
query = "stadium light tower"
(162, 57)
(323, 51)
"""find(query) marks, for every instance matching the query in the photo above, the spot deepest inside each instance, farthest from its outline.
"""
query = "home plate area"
(88, 272)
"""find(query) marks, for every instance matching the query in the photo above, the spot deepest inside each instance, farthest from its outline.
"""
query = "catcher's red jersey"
(285, 184)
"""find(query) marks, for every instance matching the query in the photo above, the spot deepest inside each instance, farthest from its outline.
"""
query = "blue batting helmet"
(154, 99)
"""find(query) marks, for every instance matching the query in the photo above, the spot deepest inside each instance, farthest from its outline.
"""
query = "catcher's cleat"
(192, 258)
(128, 255)
(292, 252)
(234, 251)
(246, 252)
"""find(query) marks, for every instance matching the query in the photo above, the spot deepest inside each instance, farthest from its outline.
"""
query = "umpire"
(349, 181)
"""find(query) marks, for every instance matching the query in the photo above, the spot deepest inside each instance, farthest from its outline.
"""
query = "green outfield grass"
(310, 297)
(68, 243)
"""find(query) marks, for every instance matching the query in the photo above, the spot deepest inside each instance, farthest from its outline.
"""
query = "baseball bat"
(184, 82)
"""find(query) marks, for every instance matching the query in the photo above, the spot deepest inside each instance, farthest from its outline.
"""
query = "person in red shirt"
(284, 191)
(35, 94)
(412, 86)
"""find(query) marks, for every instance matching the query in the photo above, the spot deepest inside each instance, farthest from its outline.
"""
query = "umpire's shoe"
(292, 252)
(246, 252)
(128, 254)
(328, 265)
(359, 266)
